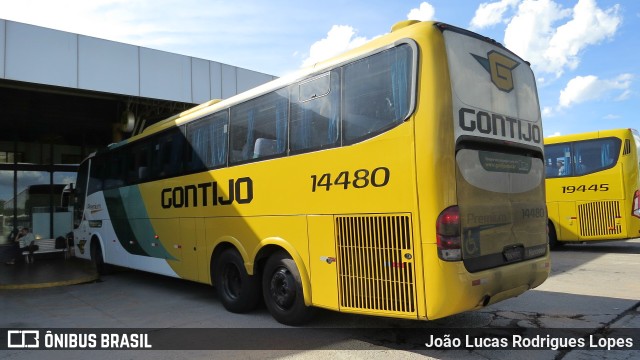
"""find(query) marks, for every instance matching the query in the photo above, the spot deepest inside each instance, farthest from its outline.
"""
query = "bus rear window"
(501, 207)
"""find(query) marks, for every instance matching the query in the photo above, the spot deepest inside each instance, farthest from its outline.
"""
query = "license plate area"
(513, 253)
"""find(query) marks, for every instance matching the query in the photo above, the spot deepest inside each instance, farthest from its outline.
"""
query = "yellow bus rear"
(593, 185)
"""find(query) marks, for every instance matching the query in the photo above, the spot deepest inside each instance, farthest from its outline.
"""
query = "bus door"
(192, 243)
(81, 232)
(81, 235)
(324, 285)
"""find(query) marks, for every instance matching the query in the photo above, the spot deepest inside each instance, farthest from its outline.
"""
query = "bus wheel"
(553, 238)
(282, 290)
(98, 259)
(238, 291)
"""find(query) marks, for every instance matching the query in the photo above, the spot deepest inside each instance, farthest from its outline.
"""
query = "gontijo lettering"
(206, 194)
(509, 128)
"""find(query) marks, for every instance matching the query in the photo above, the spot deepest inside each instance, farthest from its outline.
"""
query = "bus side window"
(315, 113)
(115, 170)
(558, 160)
(208, 138)
(167, 155)
(551, 169)
(376, 93)
(138, 163)
(96, 175)
(265, 147)
(265, 117)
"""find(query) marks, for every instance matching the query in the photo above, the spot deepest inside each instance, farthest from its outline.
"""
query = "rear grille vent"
(627, 147)
(599, 218)
(375, 263)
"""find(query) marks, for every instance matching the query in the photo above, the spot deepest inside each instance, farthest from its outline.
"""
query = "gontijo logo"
(499, 67)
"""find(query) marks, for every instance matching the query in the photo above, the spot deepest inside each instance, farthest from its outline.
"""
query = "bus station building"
(65, 95)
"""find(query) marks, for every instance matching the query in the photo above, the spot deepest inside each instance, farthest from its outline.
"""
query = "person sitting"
(560, 166)
(25, 240)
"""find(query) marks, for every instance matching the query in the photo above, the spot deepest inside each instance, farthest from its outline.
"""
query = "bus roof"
(619, 133)
(407, 29)
(399, 31)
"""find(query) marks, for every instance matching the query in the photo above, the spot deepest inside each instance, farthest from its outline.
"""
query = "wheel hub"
(282, 288)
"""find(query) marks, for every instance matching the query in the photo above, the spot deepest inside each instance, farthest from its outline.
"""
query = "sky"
(584, 53)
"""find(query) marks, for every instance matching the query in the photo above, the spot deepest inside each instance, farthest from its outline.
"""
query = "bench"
(46, 246)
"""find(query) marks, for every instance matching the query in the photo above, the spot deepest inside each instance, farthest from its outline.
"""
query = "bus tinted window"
(96, 175)
(315, 113)
(581, 157)
(208, 138)
(167, 154)
(259, 127)
(138, 164)
(116, 169)
(376, 93)
(501, 199)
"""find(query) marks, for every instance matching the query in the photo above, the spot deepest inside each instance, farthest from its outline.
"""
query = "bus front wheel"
(282, 290)
(97, 258)
(237, 290)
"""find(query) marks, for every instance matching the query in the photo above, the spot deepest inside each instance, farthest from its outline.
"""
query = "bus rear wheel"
(237, 290)
(553, 237)
(282, 290)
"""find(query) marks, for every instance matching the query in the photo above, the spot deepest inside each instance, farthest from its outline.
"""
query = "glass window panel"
(7, 204)
(259, 127)
(208, 138)
(167, 154)
(34, 202)
(581, 157)
(376, 93)
(315, 119)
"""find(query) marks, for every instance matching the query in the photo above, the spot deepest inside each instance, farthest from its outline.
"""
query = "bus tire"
(553, 237)
(282, 290)
(237, 290)
(97, 259)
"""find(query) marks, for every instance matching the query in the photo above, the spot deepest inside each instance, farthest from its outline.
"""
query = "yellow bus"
(593, 186)
(404, 178)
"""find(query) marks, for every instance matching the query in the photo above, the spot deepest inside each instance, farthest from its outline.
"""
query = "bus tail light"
(636, 204)
(448, 234)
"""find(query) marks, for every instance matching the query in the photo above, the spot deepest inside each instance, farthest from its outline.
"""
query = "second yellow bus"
(593, 186)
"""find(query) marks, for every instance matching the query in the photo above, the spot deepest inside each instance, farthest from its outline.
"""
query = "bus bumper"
(456, 290)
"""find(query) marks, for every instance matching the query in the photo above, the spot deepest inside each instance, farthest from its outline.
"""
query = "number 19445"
(585, 188)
